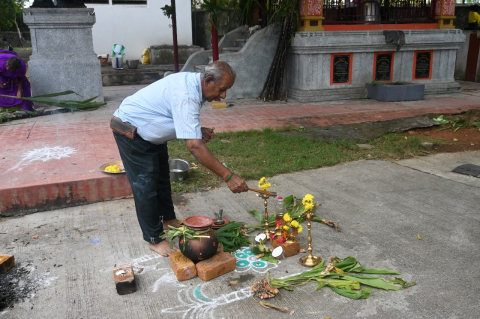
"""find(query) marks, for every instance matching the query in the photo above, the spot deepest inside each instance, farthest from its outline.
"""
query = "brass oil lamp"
(310, 260)
(265, 197)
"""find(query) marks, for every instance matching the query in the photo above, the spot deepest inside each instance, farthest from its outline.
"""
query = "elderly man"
(142, 125)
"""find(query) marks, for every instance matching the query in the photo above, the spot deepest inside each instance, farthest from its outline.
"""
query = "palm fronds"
(66, 104)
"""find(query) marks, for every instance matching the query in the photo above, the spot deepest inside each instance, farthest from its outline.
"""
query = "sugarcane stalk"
(273, 88)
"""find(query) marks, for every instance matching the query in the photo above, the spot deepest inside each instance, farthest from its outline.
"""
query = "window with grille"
(137, 2)
(378, 11)
(95, 1)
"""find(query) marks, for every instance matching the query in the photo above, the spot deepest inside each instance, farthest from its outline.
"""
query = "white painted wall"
(139, 26)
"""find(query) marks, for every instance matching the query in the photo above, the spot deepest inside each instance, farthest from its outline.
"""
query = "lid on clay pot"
(220, 225)
(198, 222)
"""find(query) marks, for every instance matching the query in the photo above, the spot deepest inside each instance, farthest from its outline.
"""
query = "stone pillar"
(311, 15)
(445, 13)
(62, 53)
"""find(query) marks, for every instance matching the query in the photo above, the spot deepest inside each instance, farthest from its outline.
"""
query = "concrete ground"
(53, 161)
(381, 206)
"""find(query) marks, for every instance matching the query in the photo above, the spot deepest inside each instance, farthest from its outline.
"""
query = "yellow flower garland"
(263, 183)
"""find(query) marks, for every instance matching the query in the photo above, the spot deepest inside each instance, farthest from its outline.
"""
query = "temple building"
(344, 44)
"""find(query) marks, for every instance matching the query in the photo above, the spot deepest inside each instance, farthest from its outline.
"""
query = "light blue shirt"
(166, 109)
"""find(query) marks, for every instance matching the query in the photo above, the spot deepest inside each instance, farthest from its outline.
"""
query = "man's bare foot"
(163, 248)
(172, 222)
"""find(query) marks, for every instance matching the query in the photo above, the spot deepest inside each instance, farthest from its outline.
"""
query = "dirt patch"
(464, 136)
(459, 138)
(467, 139)
(362, 132)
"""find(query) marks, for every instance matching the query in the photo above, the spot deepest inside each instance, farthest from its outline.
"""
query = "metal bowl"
(178, 169)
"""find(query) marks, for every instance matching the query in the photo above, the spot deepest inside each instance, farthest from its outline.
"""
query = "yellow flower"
(309, 206)
(300, 228)
(287, 218)
(295, 224)
(286, 227)
(263, 183)
(307, 199)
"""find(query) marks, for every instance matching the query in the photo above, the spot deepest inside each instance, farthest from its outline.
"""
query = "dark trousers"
(146, 166)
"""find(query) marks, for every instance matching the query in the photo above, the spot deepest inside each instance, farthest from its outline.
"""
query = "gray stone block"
(62, 53)
(310, 57)
(251, 63)
(163, 54)
(393, 92)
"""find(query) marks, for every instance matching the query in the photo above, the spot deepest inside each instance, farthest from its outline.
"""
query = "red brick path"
(53, 161)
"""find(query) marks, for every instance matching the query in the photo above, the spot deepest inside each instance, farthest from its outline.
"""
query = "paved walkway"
(66, 270)
(53, 161)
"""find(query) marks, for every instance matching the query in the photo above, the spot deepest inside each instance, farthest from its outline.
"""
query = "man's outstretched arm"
(205, 157)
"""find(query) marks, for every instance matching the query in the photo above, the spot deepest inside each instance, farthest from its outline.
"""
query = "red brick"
(213, 267)
(6, 262)
(124, 279)
(289, 248)
(182, 266)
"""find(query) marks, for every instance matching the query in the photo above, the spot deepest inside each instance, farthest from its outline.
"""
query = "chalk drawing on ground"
(44, 154)
(247, 261)
(194, 304)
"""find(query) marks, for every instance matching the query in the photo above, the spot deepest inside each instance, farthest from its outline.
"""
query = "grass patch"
(253, 154)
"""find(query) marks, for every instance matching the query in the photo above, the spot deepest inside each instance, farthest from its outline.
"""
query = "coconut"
(278, 253)
(260, 237)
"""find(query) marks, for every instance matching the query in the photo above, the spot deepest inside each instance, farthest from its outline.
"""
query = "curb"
(20, 201)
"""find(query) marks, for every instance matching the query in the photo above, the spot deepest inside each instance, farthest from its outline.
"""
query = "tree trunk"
(19, 33)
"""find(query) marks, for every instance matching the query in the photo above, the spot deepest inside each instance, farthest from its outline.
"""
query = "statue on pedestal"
(60, 4)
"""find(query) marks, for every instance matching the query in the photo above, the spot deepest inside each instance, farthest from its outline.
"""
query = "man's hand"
(207, 134)
(19, 93)
(205, 157)
(237, 184)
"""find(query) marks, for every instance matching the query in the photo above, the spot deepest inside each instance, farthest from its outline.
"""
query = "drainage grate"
(468, 169)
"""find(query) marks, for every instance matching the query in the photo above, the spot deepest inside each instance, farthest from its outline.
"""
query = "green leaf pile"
(184, 232)
(343, 278)
(232, 236)
(66, 104)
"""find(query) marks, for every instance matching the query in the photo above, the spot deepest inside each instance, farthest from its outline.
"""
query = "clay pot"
(201, 248)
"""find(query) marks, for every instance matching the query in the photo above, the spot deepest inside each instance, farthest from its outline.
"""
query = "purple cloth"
(9, 83)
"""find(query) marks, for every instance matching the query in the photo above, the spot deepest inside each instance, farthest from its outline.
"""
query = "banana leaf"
(225, 228)
(320, 286)
(349, 293)
(372, 282)
(67, 104)
(258, 216)
(340, 283)
(350, 264)
(375, 271)
(288, 200)
(402, 282)
(57, 94)
(317, 219)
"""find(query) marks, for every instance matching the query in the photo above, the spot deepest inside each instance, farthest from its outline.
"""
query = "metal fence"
(378, 11)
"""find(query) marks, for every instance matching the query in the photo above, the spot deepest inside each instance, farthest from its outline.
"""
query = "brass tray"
(119, 163)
